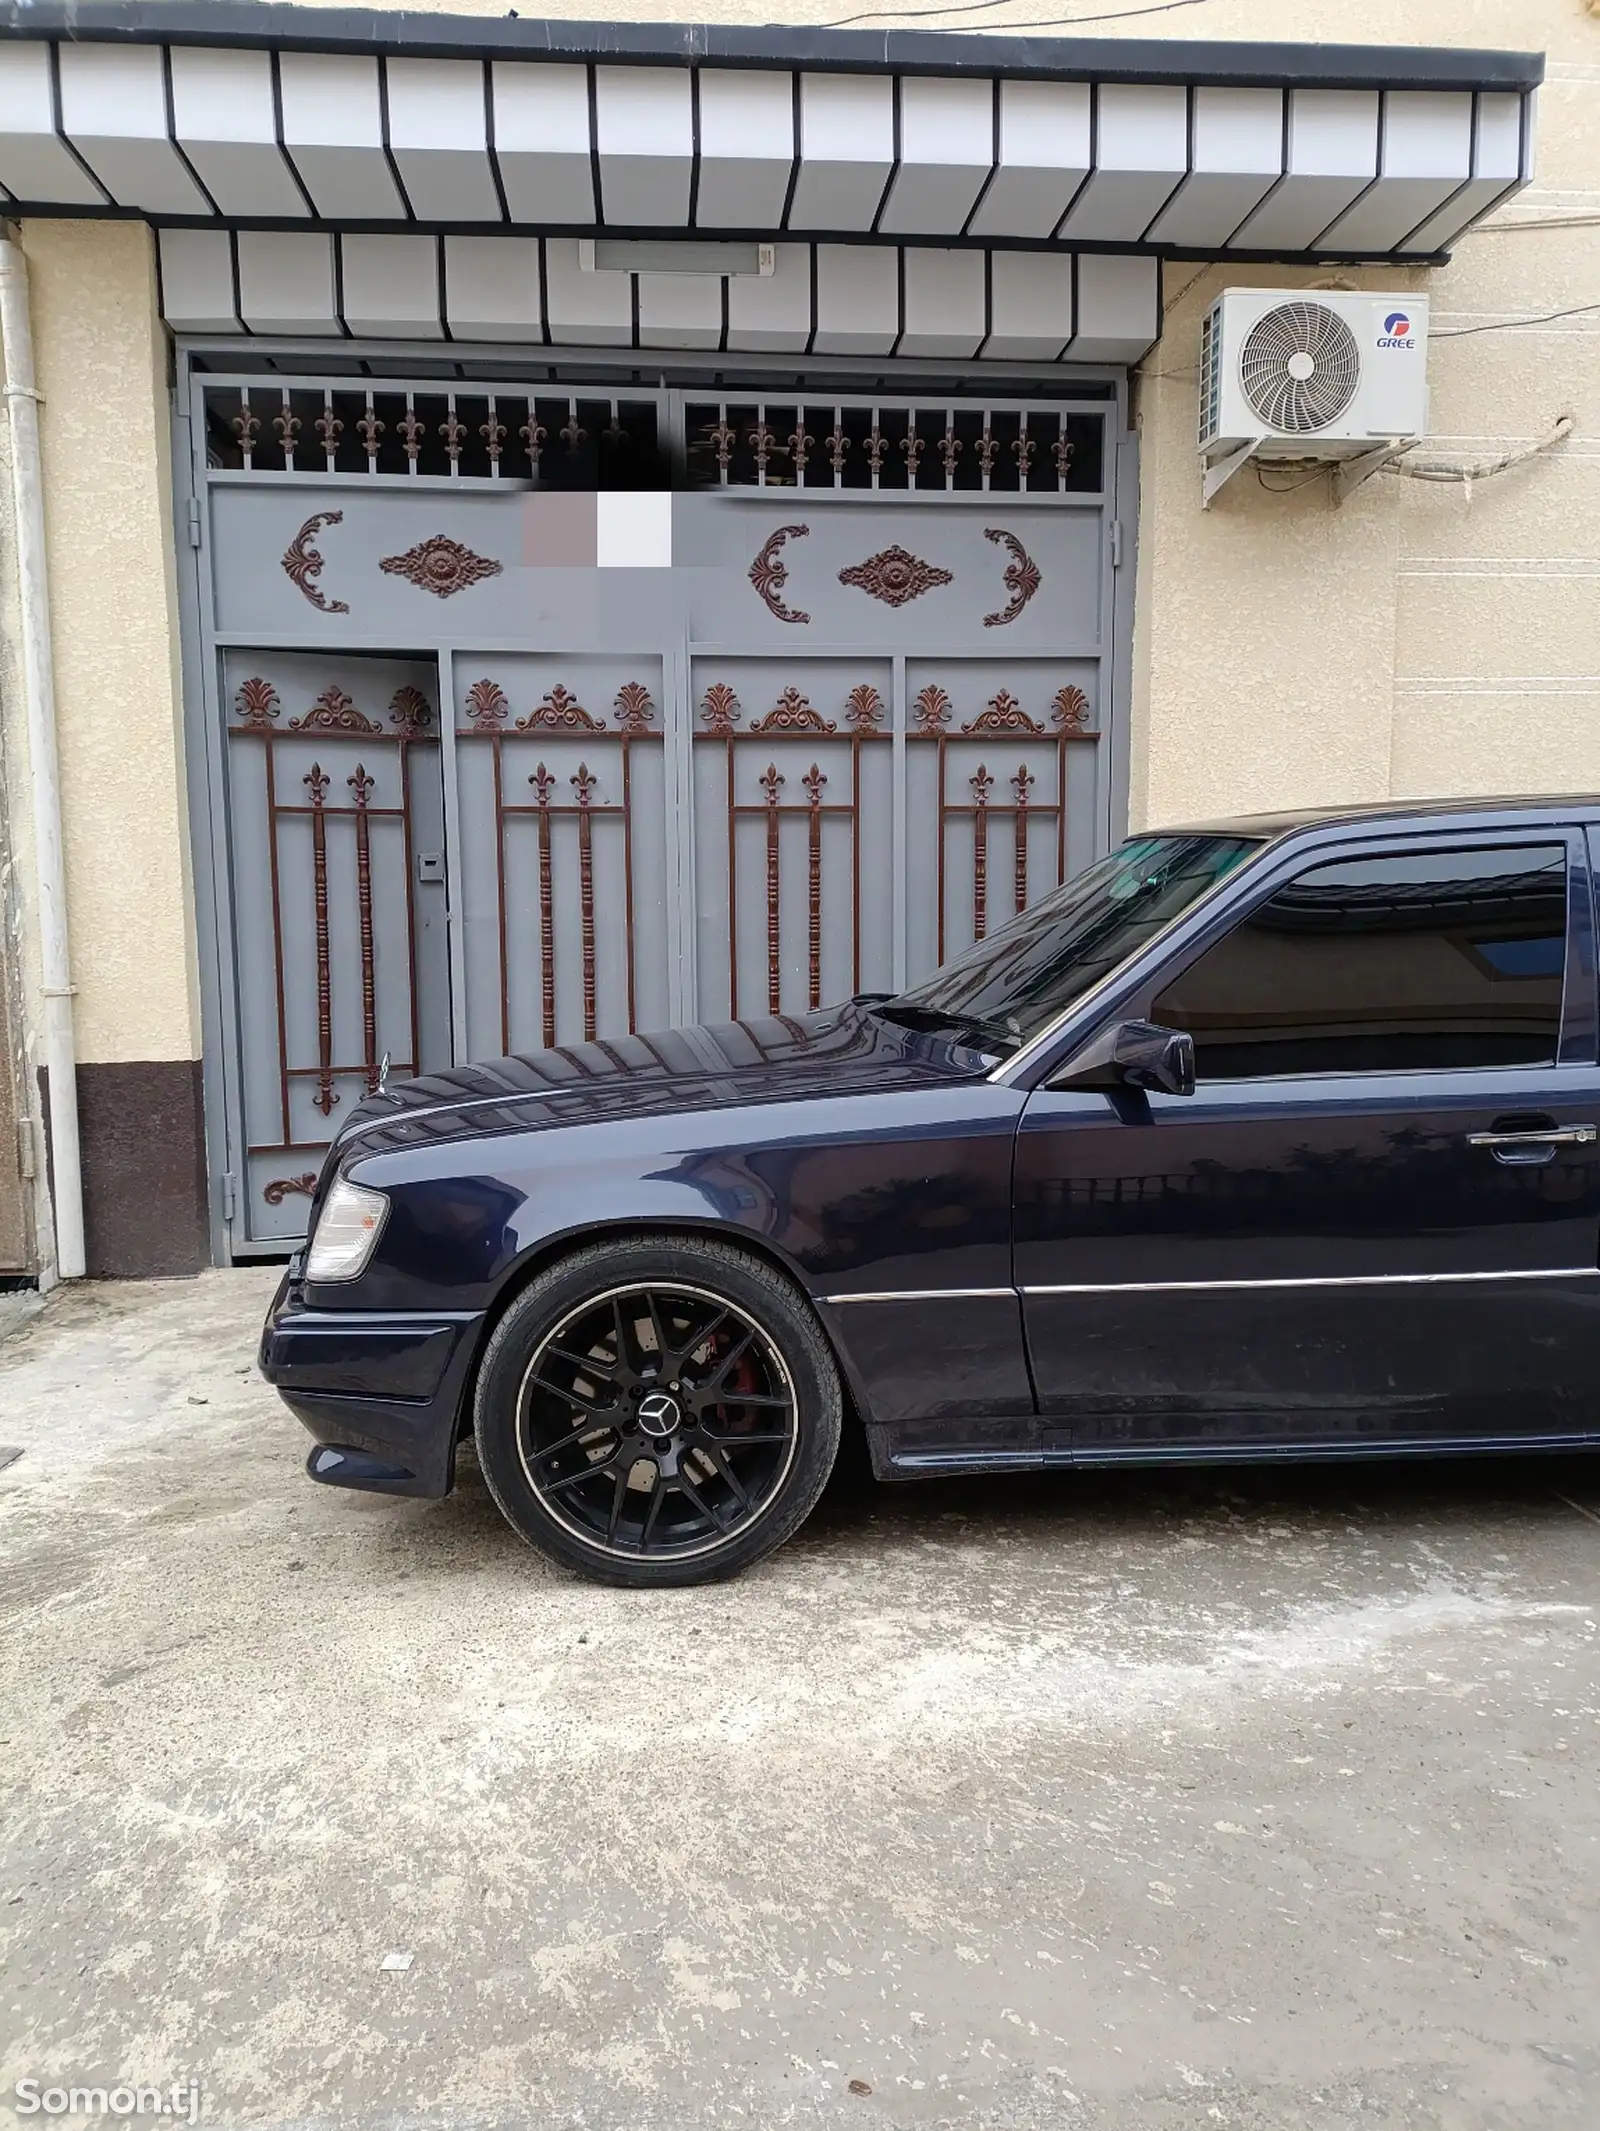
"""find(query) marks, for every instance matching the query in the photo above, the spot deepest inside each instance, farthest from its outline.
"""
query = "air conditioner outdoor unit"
(1318, 374)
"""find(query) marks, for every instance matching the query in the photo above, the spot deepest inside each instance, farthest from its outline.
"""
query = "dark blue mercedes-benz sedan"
(1262, 1138)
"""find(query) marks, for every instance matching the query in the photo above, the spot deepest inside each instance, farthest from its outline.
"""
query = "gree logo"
(1396, 331)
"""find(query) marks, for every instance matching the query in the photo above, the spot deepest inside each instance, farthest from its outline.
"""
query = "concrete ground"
(1124, 1803)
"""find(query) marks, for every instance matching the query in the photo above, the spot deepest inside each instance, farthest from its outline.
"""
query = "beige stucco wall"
(101, 360)
(1420, 639)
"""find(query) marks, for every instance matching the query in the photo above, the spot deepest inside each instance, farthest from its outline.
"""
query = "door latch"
(1533, 1145)
(430, 868)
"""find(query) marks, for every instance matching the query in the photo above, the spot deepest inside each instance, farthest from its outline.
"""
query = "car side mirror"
(1134, 1054)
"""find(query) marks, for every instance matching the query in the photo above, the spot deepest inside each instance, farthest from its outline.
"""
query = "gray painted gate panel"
(845, 733)
(340, 955)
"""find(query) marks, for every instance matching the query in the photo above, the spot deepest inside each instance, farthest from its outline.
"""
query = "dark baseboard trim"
(142, 1130)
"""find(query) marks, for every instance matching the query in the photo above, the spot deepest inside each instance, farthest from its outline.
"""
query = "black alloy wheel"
(658, 1411)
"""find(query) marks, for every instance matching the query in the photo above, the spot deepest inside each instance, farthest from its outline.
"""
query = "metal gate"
(540, 718)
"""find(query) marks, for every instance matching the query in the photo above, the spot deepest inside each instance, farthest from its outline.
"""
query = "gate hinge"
(194, 521)
(27, 1160)
(1116, 543)
(230, 1200)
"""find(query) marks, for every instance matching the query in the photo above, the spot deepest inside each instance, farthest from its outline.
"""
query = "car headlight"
(347, 1232)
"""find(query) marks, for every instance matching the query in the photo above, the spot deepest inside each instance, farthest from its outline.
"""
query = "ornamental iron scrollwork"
(440, 565)
(316, 782)
(895, 576)
(257, 704)
(410, 712)
(1069, 711)
(362, 786)
(488, 705)
(1022, 577)
(771, 781)
(636, 711)
(982, 785)
(560, 712)
(1022, 784)
(863, 709)
(302, 562)
(721, 710)
(1004, 715)
(769, 574)
(792, 713)
(281, 1187)
(334, 712)
(932, 707)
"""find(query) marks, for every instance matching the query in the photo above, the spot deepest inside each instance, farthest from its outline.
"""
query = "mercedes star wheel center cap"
(659, 1413)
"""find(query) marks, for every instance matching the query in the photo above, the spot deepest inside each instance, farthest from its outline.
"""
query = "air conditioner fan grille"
(1299, 367)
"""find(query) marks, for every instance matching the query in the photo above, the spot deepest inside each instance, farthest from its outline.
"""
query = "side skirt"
(926, 1464)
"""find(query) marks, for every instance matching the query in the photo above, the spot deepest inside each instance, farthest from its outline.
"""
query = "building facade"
(556, 529)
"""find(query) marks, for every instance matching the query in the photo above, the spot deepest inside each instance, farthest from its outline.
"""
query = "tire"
(657, 1411)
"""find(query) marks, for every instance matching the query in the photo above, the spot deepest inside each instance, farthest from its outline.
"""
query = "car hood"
(838, 1051)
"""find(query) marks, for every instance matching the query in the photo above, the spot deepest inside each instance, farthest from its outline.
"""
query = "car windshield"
(1006, 988)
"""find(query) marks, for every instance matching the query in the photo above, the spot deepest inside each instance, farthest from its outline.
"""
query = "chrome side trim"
(927, 1294)
(1181, 1287)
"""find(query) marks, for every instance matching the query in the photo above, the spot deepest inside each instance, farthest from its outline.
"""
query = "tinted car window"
(1423, 959)
(1017, 981)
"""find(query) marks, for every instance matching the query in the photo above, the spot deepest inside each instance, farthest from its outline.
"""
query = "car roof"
(1285, 821)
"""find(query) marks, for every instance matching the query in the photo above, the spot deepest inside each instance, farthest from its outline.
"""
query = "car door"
(1375, 1222)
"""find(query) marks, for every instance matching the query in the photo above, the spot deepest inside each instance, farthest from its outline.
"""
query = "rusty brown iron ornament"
(895, 576)
(281, 1187)
(410, 712)
(1004, 715)
(316, 783)
(441, 566)
(302, 562)
(335, 712)
(792, 713)
(257, 704)
(1022, 577)
(559, 712)
(769, 574)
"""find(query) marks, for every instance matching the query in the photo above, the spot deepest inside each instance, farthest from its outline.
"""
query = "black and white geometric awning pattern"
(259, 115)
(927, 301)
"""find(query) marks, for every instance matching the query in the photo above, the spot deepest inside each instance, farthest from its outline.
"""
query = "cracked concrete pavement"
(1123, 1802)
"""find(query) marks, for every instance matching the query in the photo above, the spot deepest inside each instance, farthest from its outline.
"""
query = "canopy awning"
(275, 117)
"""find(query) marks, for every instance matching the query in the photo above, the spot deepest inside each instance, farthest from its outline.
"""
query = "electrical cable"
(979, 7)
(1504, 325)
(1282, 488)
(1508, 229)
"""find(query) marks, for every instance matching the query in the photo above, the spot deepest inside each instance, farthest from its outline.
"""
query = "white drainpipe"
(39, 685)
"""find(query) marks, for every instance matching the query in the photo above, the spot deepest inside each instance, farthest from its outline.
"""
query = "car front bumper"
(380, 1391)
